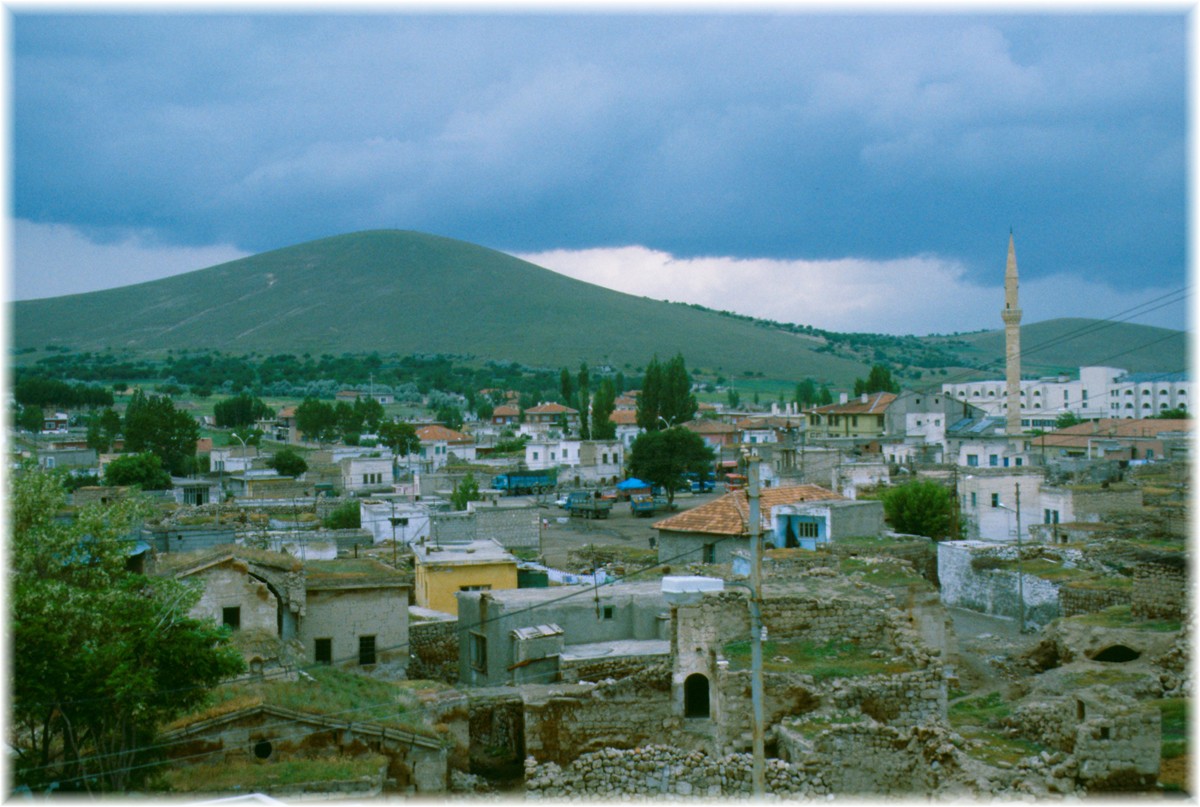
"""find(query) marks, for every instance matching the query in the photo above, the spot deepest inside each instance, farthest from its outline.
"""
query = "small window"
(262, 749)
(710, 553)
(232, 617)
(995, 500)
(609, 612)
(479, 652)
(974, 500)
(366, 650)
(973, 460)
(993, 460)
(1020, 462)
(324, 651)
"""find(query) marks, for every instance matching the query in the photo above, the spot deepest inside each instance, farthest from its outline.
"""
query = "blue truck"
(588, 504)
(524, 483)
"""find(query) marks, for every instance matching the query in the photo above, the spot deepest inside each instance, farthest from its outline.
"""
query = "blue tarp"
(632, 483)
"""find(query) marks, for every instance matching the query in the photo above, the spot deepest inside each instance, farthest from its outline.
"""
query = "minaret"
(1012, 341)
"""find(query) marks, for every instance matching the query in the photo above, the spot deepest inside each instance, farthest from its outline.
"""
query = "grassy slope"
(1067, 344)
(405, 292)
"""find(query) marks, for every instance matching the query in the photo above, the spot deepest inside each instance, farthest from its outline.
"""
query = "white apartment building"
(1098, 392)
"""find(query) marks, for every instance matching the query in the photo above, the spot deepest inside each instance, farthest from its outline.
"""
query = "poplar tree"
(602, 408)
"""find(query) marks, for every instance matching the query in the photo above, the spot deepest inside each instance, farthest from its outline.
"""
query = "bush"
(346, 516)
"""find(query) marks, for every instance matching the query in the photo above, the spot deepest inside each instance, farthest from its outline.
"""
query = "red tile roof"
(438, 433)
(876, 404)
(727, 515)
(624, 417)
(551, 409)
(505, 411)
(1077, 436)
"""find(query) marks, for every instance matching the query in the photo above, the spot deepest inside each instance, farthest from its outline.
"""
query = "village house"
(545, 418)
(439, 444)
(584, 461)
(365, 473)
(352, 395)
(711, 532)
(716, 435)
(443, 570)
(986, 443)
(627, 426)
(232, 458)
(864, 417)
(506, 415)
(1117, 439)
(543, 635)
(356, 615)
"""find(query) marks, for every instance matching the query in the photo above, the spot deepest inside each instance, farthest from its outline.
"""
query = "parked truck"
(524, 483)
(642, 504)
(588, 504)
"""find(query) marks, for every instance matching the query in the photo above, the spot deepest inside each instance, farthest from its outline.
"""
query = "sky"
(855, 172)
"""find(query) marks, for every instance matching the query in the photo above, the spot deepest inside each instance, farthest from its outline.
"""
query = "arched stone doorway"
(695, 696)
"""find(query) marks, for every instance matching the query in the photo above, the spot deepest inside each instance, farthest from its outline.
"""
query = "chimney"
(843, 398)
(864, 397)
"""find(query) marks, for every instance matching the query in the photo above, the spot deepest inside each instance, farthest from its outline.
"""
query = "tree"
(663, 458)
(401, 438)
(920, 508)
(806, 393)
(101, 657)
(733, 398)
(825, 397)
(287, 462)
(565, 387)
(465, 490)
(449, 416)
(666, 399)
(585, 432)
(30, 418)
(317, 420)
(602, 408)
(648, 399)
(346, 516)
(878, 380)
(240, 411)
(1173, 414)
(144, 470)
(152, 423)
(102, 430)
(1066, 420)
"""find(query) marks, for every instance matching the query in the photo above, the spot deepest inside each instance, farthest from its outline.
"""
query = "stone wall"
(1119, 752)
(573, 719)
(231, 586)
(592, 669)
(993, 591)
(1075, 600)
(1159, 591)
(903, 699)
(345, 615)
(497, 735)
(433, 650)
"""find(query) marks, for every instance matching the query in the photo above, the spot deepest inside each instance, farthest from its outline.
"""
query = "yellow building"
(861, 417)
(443, 571)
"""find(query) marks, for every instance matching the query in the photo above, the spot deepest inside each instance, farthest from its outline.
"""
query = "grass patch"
(1108, 677)
(995, 748)
(982, 711)
(1103, 584)
(335, 693)
(1121, 616)
(249, 777)
(823, 661)
(1175, 732)
(884, 574)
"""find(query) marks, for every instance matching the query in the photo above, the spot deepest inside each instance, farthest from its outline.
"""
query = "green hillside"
(391, 291)
(406, 292)
(1067, 344)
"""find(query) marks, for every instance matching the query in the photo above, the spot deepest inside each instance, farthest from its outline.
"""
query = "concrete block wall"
(452, 528)
(511, 527)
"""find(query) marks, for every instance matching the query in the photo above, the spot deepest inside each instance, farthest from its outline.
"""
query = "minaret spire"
(1012, 341)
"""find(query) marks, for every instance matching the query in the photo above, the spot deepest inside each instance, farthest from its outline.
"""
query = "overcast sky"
(850, 172)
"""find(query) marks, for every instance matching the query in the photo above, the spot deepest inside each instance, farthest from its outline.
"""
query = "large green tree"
(101, 657)
(665, 457)
(603, 405)
(666, 398)
(103, 429)
(401, 438)
(317, 420)
(878, 380)
(585, 395)
(288, 462)
(240, 411)
(144, 470)
(465, 490)
(152, 423)
(922, 507)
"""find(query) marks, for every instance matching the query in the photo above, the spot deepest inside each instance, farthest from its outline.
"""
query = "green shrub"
(345, 516)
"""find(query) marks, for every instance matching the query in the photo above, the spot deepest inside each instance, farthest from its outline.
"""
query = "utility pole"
(756, 661)
(1020, 570)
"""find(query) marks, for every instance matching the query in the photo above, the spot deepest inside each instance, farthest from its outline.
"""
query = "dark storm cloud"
(782, 136)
